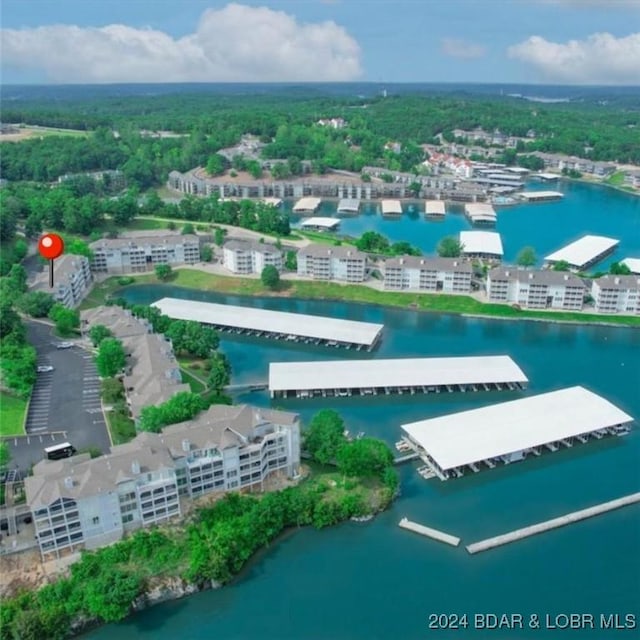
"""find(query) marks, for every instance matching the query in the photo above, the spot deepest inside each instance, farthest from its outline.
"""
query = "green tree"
(619, 269)
(18, 278)
(163, 272)
(364, 457)
(270, 277)
(111, 358)
(37, 304)
(98, 333)
(66, 320)
(216, 165)
(324, 435)
(110, 595)
(182, 406)
(219, 236)
(526, 257)
(192, 338)
(449, 247)
(372, 242)
(561, 265)
(206, 253)
(78, 247)
(188, 229)
(291, 261)
(220, 373)
(18, 367)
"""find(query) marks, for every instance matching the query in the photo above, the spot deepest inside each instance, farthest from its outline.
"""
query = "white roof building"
(510, 429)
(584, 252)
(632, 263)
(320, 223)
(481, 244)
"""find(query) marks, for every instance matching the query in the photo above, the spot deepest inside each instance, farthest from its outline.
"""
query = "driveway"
(65, 404)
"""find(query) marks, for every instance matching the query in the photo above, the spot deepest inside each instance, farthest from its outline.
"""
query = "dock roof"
(249, 318)
(324, 223)
(541, 195)
(488, 242)
(584, 251)
(351, 205)
(307, 204)
(434, 207)
(466, 437)
(632, 263)
(392, 207)
(402, 372)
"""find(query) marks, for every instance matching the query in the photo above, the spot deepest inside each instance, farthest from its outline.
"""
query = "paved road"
(65, 404)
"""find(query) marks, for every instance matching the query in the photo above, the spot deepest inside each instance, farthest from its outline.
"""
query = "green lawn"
(121, 427)
(323, 238)
(192, 381)
(616, 179)
(12, 414)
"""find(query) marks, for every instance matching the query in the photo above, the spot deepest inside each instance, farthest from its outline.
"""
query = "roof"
(583, 251)
(428, 264)
(461, 438)
(488, 242)
(64, 269)
(403, 372)
(307, 204)
(541, 195)
(327, 223)
(632, 263)
(119, 321)
(391, 207)
(297, 324)
(165, 238)
(349, 204)
(479, 209)
(539, 276)
(621, 283)
(434, 207)
(317, 250)
(248, 245)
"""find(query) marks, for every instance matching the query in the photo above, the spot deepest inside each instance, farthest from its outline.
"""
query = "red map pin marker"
(51, 246)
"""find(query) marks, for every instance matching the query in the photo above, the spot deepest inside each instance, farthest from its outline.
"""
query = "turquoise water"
(545, 226)
(374, 580)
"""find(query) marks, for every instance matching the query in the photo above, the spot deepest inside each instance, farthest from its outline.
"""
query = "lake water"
(585, 209)
(374, 580)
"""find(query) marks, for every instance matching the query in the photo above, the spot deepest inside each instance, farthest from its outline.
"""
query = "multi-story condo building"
(322, 262)
(616, 294)
(83, 502)
(137, 253)
(241, 256)
(531, 289)
(447, 275)
(71, 280)
(121, 322)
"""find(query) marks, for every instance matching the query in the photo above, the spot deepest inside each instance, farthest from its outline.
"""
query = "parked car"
(45, 368)
(64, 345)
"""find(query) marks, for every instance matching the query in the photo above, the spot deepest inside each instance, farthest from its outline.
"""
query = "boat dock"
(349, 206)
(541, 196)
(391, 208)
(429, 532)
(306, 205)
(568, 518)
(435, 209)
(276, 325)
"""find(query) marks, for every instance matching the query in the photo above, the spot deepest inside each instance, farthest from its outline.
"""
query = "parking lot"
(65, 404)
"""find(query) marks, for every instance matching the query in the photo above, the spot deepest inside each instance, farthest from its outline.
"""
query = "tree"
(449, 247)
(270, 277)
(206, 253)
(619, 269)
(561, 265)
(163, 272)
(219, 236)
(216, 165)
(188, 229)
(111, 358)
(324, 435)
(183, 406)
(66, 320)
(110, 594)
(192, 338)
(98, 333)
(372, 241)
(220, 374)
(18, 366)
(18, 278)
(526, 257)
(78, 247)
(291, 261)
(37, 304)
(364, 457)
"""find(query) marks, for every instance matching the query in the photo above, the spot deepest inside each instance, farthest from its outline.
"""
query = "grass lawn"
(121, 427)
(13, 411)
(146, 224)
(616, 179)
(192, 381)
(323, 238)
(442, 303)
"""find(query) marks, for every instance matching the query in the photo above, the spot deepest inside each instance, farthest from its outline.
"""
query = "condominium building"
(121, 322)
(541, 289)
(83, 502)
(138, 253)
(616, 294)
(447, 275)
(71, 280)
(242, 256)
(323, 262)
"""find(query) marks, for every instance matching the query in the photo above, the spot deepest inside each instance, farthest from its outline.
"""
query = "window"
(95, 520)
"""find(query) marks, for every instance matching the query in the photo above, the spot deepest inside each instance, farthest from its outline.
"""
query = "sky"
(484, 41)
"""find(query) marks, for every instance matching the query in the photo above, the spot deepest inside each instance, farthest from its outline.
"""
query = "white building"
(413, 273)
(324, 262)
(79, 502)
(137, 253)
(616, 294)
(535, 289)
(71, 280)
(242, 256)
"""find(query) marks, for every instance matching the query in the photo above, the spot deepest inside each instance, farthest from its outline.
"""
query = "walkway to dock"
(568, 518)
(429, 532)
(414, 455)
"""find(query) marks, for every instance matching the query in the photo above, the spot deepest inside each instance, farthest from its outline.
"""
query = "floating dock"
(320, 224)
(435, 209)
(306, 205)
(585, 252)
(429, 532)
(554, 523)
(480, 213)
(278, 325)
(481, 244)
(343, 378)
(349, 205)
(541, 196)
(391, 208)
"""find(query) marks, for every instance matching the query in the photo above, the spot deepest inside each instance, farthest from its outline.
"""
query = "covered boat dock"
(321, 224)
(391, 208)
(306, 205)
(277, 325)
(541, 196)
(349, 205)
(585, 252)
(409, 376)
(480, 213)
(510, 431)
(434, 209)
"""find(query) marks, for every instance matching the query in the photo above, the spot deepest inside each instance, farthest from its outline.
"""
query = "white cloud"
(237, 43)
(600, 59)
(459, 48)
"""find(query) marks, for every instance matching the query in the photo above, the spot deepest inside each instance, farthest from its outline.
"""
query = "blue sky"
(528, 41)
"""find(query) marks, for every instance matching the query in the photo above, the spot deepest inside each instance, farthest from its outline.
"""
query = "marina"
(347, 378)
(548, 525)
(429, 532)
(276, 325)
(583, 253)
